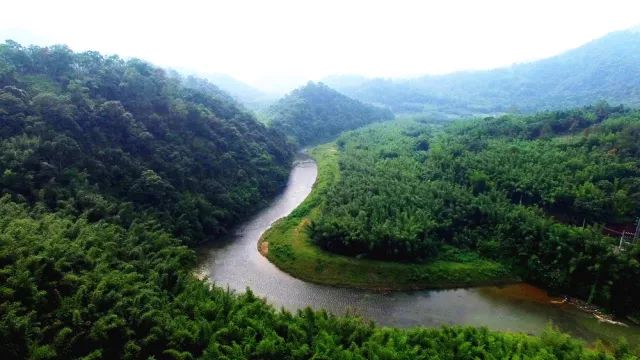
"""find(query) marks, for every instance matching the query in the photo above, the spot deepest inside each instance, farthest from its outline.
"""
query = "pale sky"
(266, 42)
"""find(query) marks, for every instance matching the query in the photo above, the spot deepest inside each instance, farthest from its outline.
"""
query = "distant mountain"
(604, 69)
(235, 87)
(316, 112)
(240, 92)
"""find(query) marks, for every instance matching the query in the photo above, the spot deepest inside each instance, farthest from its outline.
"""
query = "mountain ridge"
(602, 69)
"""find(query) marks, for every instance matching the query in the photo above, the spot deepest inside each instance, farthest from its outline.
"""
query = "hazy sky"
(263, 42)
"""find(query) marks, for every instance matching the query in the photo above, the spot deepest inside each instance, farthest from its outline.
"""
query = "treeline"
(316, 113)
(101, 137)
(516, 189)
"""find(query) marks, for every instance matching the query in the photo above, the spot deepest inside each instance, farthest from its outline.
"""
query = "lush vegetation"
(531, 192)
(121, 140)
(288, 245)
(72, 289)
(596, 71)
(316, 113)
(108, 169)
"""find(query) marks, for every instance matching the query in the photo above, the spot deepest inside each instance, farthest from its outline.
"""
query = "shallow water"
(236, 263)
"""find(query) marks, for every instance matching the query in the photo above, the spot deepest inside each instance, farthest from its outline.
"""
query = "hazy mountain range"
(604, 69)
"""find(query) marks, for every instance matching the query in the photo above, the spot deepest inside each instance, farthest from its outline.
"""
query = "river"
(237, 264)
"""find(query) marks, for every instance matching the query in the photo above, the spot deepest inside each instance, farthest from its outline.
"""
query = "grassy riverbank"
(287, 245)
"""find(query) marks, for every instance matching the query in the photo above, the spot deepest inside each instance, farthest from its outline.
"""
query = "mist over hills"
(250, 96)
(240, 92)
(113, 170)
(604, 69)
(234, 86)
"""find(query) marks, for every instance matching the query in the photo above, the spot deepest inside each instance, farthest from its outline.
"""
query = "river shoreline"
(236, 264)
(326, 158)
(291, 250)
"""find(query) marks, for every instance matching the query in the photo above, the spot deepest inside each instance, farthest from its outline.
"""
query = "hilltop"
(315, 113)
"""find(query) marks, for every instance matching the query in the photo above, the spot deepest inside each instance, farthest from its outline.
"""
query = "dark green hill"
(107, 138)
(315, 113)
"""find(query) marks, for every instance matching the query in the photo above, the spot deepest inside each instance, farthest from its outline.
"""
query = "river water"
(237, 264)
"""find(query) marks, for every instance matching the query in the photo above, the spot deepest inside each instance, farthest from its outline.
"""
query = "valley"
(148, 214)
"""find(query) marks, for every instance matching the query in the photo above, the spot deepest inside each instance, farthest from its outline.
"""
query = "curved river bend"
(236, 263)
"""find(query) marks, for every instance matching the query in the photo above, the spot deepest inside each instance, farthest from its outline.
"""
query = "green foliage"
(72, 289)
(108, 168)
(316, 113)
(382, 207)
(514, 189)
(106, 138)
(292, 250)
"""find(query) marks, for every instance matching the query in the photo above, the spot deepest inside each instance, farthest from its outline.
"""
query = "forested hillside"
(604, 69)
(108, 168)
(532, 192)
(316, 113)
(104, 138)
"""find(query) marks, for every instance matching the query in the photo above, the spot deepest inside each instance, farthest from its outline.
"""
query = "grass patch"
(291, 250)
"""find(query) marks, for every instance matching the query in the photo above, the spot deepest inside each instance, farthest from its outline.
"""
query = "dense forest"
(73, 289)
(316, 113)
(606, 68)
(109, 169)
(532, 192)
(121, 140)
